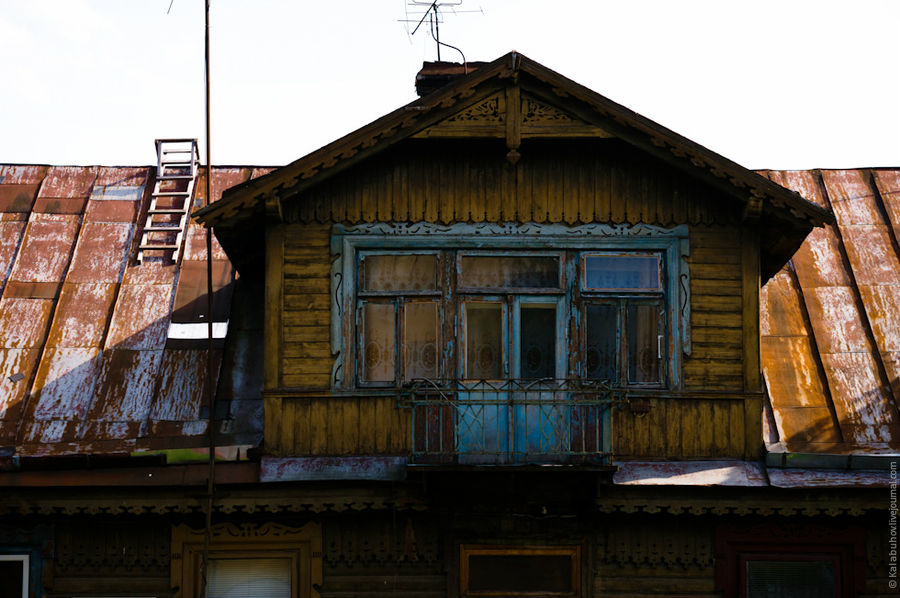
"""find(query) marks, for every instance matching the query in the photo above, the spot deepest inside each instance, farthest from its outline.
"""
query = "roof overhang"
(785, 214)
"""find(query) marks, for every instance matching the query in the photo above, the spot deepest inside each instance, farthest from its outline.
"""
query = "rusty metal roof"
(86, 360)
(87, 365)
(830, 320)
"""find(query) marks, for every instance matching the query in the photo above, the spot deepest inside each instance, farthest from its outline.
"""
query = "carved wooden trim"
(229, 540)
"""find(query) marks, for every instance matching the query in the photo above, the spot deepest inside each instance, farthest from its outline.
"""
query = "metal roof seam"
(30, 394)
(883, 378)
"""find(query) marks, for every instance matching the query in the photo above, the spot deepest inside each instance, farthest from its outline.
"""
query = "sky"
(788, 84)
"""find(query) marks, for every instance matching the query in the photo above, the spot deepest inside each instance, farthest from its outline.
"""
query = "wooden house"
(505, 340)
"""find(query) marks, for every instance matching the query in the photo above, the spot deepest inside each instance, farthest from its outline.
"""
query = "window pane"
(643, 349)
(399, 273)
(622, 272)
(537, 346)
(602, 329)
(378, 340)
(12, 574)
(790, 579)
(488, 272)
(250, 578)
(520, 573)
(420, 345)
(484, 341)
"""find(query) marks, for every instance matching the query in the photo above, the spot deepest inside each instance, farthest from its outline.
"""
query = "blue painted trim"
(673, 243)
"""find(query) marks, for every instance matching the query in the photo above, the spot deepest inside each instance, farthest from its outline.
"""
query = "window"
(249, 560)
(517, 303)
(14, 571)
(547, 571)
(787, 561)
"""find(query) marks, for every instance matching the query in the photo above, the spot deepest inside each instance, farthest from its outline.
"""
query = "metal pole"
(211, 378)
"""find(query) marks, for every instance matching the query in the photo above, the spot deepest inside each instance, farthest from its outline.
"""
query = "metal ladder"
(177, 162)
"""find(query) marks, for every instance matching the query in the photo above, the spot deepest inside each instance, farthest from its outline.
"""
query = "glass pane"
(602, 329)
(250, 578)
(420, 347)
(11, 575)
(520, 573)
(643, 347)
(790, 579)
(377, 345)
(399, 273)
(489, 272)
(622, 272)
(537, 346)
(484, 341)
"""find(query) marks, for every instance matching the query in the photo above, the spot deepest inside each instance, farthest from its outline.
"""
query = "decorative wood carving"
(91, 548)
(536, 112)
(378, 541)
(657, 545)
(488, 110)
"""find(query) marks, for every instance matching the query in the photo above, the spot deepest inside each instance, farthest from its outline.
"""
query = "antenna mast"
(433, 14)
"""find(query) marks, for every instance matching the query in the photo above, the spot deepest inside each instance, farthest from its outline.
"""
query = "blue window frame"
(411, 300)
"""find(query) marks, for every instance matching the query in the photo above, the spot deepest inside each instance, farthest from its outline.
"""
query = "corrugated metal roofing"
(830, 320)
(85, 360)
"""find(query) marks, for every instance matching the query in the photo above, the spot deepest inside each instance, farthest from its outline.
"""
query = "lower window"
(490, 571)
(789, 561)
(14, 575)
(249, 561)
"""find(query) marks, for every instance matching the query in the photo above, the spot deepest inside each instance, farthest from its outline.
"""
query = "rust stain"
(818, 261)
(183, 382)
(17, 198)
(141, 317)
(888, 184)
(10, 237)
(127, 382)
(23, 322)
(81, 315)
(12, 391)
(22, 174)
(101, 252)
(68, 182)
(45, 249)
(852, 200)
(791, 373)
(65, 383)
(860, 401)
(122, 176)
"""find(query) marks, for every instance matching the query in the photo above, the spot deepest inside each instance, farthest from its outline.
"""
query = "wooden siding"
(570, 183)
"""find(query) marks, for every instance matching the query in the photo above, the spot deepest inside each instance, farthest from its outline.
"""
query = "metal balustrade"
(546, 421)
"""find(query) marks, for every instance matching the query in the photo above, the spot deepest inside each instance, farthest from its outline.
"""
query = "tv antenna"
(434, 17)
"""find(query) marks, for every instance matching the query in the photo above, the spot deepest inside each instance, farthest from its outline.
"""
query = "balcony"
(513, 422)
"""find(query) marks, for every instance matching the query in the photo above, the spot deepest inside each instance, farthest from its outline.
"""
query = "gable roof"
(86, 365)
(599, 117)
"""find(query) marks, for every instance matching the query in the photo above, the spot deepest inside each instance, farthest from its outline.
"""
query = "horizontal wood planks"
(306, 352)
(716, 360)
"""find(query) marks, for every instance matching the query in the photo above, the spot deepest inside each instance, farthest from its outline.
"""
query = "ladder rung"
(176, 164)
(161, 229)
(166, 211)
(173, 177)
(169, 193)
(145, 247)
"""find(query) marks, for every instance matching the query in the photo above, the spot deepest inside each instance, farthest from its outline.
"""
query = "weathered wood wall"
(571, 183)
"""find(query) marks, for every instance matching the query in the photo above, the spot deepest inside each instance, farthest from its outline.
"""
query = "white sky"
(768, 84)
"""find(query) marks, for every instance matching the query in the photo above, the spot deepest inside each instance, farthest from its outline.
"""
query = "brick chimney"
(435, 75)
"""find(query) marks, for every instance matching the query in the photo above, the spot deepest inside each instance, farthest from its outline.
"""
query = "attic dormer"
(513, 269)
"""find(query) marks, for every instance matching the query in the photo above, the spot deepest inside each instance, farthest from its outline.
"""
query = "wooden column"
(751, 360)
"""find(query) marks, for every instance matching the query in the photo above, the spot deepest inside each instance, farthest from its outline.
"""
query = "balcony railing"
(513, 422)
